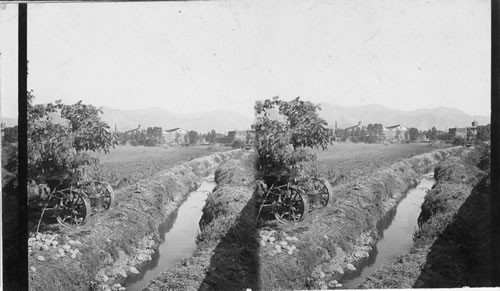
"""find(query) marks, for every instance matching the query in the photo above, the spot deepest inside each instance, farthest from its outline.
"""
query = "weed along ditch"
(396, 234)
(178, 237)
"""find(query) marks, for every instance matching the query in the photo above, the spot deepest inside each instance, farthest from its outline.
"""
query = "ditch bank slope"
(452, 246)
(225, 257)
(334, 239)
(112, 243)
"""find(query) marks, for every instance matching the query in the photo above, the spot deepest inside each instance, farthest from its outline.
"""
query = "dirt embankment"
(115, 241)
(225, 257)
(452, 246)
(334, 239)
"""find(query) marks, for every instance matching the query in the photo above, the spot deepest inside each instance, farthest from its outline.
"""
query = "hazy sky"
(201, 56)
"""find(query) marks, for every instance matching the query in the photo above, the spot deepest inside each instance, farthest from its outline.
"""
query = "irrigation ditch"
(337, 239)
(234, 251)
(452, 247)
(115, 243)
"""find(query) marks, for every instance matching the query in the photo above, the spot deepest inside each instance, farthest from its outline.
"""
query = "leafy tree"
(56, 149)
(10, 134)
(484, 132)
(279, 135)
(193, 137)
(432, 133)
(305, 126)
(413, 134)
(212, 135)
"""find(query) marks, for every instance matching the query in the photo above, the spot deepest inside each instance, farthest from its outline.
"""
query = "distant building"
(464, 132)
(241, 135)
(175, 135)
(395, 133)
(350, 130)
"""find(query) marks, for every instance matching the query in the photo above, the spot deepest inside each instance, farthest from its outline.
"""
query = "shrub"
(458, 140)
(280, 140)
(238, 144)
(58, 149)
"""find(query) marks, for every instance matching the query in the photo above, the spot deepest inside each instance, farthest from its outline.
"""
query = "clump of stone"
(268, 239)
(46, 247)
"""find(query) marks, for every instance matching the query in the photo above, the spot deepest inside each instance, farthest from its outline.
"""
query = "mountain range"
(222, 121)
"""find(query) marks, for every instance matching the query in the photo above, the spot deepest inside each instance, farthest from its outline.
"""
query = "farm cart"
(70, 202)
(290, 201)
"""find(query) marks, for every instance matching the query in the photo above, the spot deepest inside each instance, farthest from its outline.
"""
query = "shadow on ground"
(235, 262)
(461, 256)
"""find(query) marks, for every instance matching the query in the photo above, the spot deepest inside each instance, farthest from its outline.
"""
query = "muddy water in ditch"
(396, 231)
(178, 235)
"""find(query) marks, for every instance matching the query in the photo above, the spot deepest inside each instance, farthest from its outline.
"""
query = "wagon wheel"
(101, 195)
(321, 188)
(290, 206)
(72, 207)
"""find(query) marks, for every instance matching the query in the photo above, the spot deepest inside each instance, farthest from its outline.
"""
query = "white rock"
(350, 267)
(54, 243)
(117, 285)
(33, 269)
(318, 274)
(66, 247)
(40, 258)
(71, 242)
(338, 285)
(45, 247)
(122, 289)
(73, 256)
(283, 243)
(133, 270)
(332, 283)
(290, 252)
(271, 239)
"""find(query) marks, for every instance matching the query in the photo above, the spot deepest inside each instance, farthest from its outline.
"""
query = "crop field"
(128, 164)
(343, 161)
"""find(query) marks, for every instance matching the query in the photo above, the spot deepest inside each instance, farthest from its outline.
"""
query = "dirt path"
(113, 242)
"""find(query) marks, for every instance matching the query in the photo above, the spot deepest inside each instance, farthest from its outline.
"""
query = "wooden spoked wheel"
(321, 189)
(289, 205)
(72, 207)
(101, 195)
